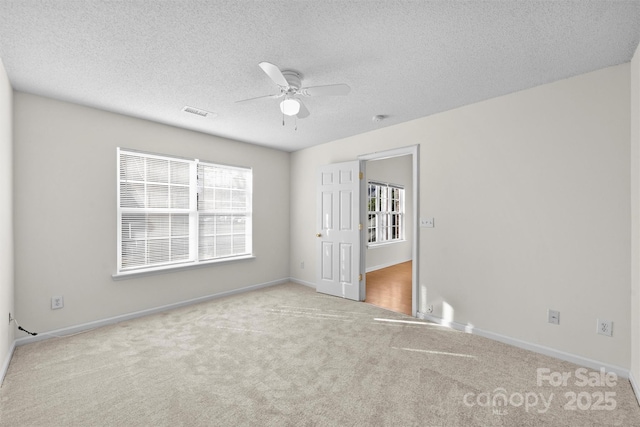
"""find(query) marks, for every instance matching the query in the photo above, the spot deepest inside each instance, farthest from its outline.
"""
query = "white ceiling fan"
(290, 84)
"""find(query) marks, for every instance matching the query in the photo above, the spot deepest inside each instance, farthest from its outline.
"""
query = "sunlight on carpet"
(284, 355)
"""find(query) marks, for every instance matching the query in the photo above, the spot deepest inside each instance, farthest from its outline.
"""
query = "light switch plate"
(426, 222)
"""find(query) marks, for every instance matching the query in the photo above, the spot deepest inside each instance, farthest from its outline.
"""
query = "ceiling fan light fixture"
(290, 106)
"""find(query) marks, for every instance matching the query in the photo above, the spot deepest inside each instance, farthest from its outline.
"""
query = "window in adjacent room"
(385, 213)
(175, 212)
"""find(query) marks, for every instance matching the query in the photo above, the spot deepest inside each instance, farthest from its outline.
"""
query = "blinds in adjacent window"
(174, 211)
(385, 212)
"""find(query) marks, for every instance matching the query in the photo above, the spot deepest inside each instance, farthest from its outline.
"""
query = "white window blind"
(174, 211)
(224, 211)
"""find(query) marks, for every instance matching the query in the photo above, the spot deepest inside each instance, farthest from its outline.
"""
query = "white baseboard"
(385, 265)
(121, 318)
(7, 361)
(547, 351)
(302, 282)
(634, 386)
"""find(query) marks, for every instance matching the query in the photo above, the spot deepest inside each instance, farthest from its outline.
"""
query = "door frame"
(414, 152)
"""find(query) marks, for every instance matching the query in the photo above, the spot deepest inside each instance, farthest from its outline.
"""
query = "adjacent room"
(376, 212)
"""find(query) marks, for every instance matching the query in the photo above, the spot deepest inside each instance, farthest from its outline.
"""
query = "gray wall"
(6, 219)
(65, 214)
(635, 222)
(530, 195)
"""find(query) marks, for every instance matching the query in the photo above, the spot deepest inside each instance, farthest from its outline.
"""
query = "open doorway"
(390, 288)
(390, 219)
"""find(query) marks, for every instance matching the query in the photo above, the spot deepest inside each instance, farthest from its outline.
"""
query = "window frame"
(195, 194)
(384, 215)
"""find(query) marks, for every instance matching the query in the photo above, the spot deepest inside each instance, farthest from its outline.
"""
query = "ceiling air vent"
(199, 112)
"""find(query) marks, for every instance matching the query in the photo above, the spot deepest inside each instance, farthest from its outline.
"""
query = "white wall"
(530, 195)
(395, 170)
(6, 219)
(65, 214)
(635, 221)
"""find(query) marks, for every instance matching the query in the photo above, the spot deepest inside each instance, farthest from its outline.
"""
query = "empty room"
(284, 213)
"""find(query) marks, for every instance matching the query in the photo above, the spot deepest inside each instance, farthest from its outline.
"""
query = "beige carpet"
(286, 356)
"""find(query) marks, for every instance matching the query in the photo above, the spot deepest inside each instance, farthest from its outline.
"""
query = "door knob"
(318, 235)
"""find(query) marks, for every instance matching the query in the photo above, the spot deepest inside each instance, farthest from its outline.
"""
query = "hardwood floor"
(390, 288)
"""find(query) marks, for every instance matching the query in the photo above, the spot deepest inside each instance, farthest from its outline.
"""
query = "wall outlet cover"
(57, 302)
(554, 317)
(605, 327)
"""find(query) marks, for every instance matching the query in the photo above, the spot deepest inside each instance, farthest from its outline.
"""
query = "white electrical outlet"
(57, 302)
(554, 317)
(302, 265)
(430, 309)
(605, 327)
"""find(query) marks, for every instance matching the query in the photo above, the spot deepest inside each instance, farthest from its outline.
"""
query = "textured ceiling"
(402, 59)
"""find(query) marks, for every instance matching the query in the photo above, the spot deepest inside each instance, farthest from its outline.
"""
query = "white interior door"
(338, 239)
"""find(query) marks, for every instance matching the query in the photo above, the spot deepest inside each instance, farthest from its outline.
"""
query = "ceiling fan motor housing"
(294, 79)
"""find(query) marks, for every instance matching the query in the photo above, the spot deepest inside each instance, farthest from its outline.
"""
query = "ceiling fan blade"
(274, 74)
(304, 112)
(260, 97)
(334, 90)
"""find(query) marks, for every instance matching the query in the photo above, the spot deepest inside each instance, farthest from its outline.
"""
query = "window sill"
(383, 244)
(173, 268)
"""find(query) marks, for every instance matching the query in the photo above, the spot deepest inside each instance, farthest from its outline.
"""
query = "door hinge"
(359, 226)
(359, 277)
(361, 175)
